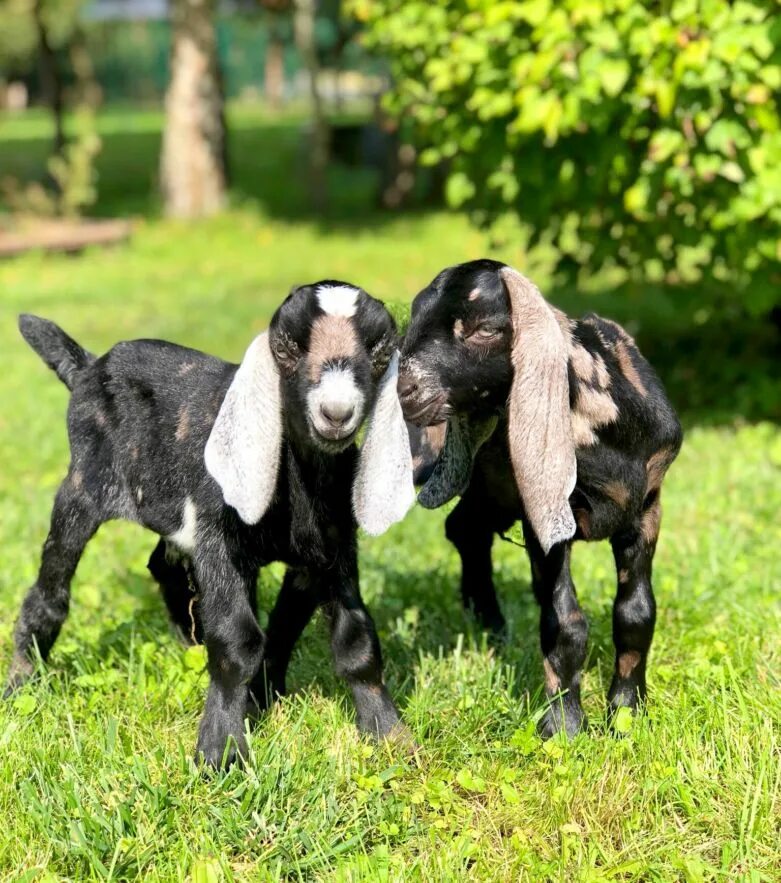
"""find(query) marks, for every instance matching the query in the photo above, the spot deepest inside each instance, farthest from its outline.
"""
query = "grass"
(95, 773)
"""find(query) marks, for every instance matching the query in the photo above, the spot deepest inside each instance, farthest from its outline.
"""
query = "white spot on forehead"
(338, 300)
(184, 538)
(474, 294)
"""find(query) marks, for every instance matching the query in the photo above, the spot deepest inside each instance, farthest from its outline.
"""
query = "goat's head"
(482, 343)
(328, 361)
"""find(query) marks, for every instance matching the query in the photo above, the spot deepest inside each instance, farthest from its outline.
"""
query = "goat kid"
(235, 467)
(559, 423)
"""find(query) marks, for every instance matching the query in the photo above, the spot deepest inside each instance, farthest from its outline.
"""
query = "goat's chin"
(331, 445)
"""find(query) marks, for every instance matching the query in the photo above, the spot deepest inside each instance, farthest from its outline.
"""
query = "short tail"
(60, 352)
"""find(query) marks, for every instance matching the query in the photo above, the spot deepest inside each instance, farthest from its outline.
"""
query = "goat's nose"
(337, 413)
(406, 387)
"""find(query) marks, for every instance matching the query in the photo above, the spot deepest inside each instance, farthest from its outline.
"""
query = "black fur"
(138, 421)
(456, 360)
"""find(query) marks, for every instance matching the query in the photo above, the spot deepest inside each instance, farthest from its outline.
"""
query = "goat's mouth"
(452, 471)
(332, 441)
(435, 409)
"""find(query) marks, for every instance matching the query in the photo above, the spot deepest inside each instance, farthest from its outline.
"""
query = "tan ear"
(540, 435)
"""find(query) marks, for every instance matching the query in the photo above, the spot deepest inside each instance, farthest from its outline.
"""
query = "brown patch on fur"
(186, 368)
(474, 294)
(623, 577)
(183, 424)
(332, 337)
(430, 442)
(657, 466)
(582, 520)
(650, 522)
(627, 366)
(552, 682)
(589, 367)
(458, 328)
(627, 663)
(582, 433)
(134, 453)
(574, 616)
(77, 479)
(617, 491)
(100, 417)
(593, 408)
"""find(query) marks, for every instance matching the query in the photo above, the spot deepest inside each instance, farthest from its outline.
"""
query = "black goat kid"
(560, 423)
(235, 467)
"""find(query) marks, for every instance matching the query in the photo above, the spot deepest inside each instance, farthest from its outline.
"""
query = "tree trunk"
(51, 80)
(193, 163)
(304, 26)
(274, 74)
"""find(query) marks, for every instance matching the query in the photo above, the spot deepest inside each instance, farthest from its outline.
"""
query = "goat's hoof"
(400, 737)
(20, 672)
(218, 753)
(562, 717)
(624, 696)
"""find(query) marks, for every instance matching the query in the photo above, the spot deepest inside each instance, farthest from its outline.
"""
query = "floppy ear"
(242, 452)
(383, 490)
(540, 435)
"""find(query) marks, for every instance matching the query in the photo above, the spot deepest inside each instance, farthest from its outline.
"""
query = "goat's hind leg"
(173, 573)
(469, 527)
(634, 610)
(297, 601)
(74, 521)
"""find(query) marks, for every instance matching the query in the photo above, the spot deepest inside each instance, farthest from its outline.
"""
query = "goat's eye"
(485, 333)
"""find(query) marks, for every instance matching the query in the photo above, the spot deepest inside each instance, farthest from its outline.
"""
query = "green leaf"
(613, 74)
(470, 782)
(195, 657)
(206, 871)
(510, 794)
(623, 720)
(459, 189)
(25, 704)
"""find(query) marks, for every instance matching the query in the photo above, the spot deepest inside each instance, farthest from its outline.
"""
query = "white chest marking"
(185, 537)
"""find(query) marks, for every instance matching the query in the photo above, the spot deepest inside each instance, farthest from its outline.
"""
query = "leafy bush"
(639, 137)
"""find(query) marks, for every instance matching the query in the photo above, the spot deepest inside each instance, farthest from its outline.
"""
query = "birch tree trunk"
(193, 169)
(304, 27)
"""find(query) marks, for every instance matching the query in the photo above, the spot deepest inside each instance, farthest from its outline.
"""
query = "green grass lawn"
(96, 780)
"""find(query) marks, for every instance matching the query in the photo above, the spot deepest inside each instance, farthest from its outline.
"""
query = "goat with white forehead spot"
(235, 467)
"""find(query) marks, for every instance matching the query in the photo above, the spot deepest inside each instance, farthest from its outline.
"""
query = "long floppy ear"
(242, 453)
(383, 490)
(540, 435)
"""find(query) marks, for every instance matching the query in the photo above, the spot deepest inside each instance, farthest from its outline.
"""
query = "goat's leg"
(634, 610)
(357, 657)
(234, 645)
(298, 599)
(469, 527)
(74, 521)
(173, 573)
(563, 636)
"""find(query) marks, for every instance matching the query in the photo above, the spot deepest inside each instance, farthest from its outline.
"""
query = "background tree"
(193, 164)
(643, 139)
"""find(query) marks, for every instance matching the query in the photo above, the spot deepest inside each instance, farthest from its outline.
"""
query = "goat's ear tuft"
(540, 435)
(383, 490)
(243, 449)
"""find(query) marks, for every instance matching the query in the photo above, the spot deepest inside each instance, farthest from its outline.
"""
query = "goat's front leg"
(634, 610)
(356, 651)
(563, 636)
(234, 644)
(297, 601)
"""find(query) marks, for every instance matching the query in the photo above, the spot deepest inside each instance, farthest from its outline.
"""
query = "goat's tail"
(60, 352)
